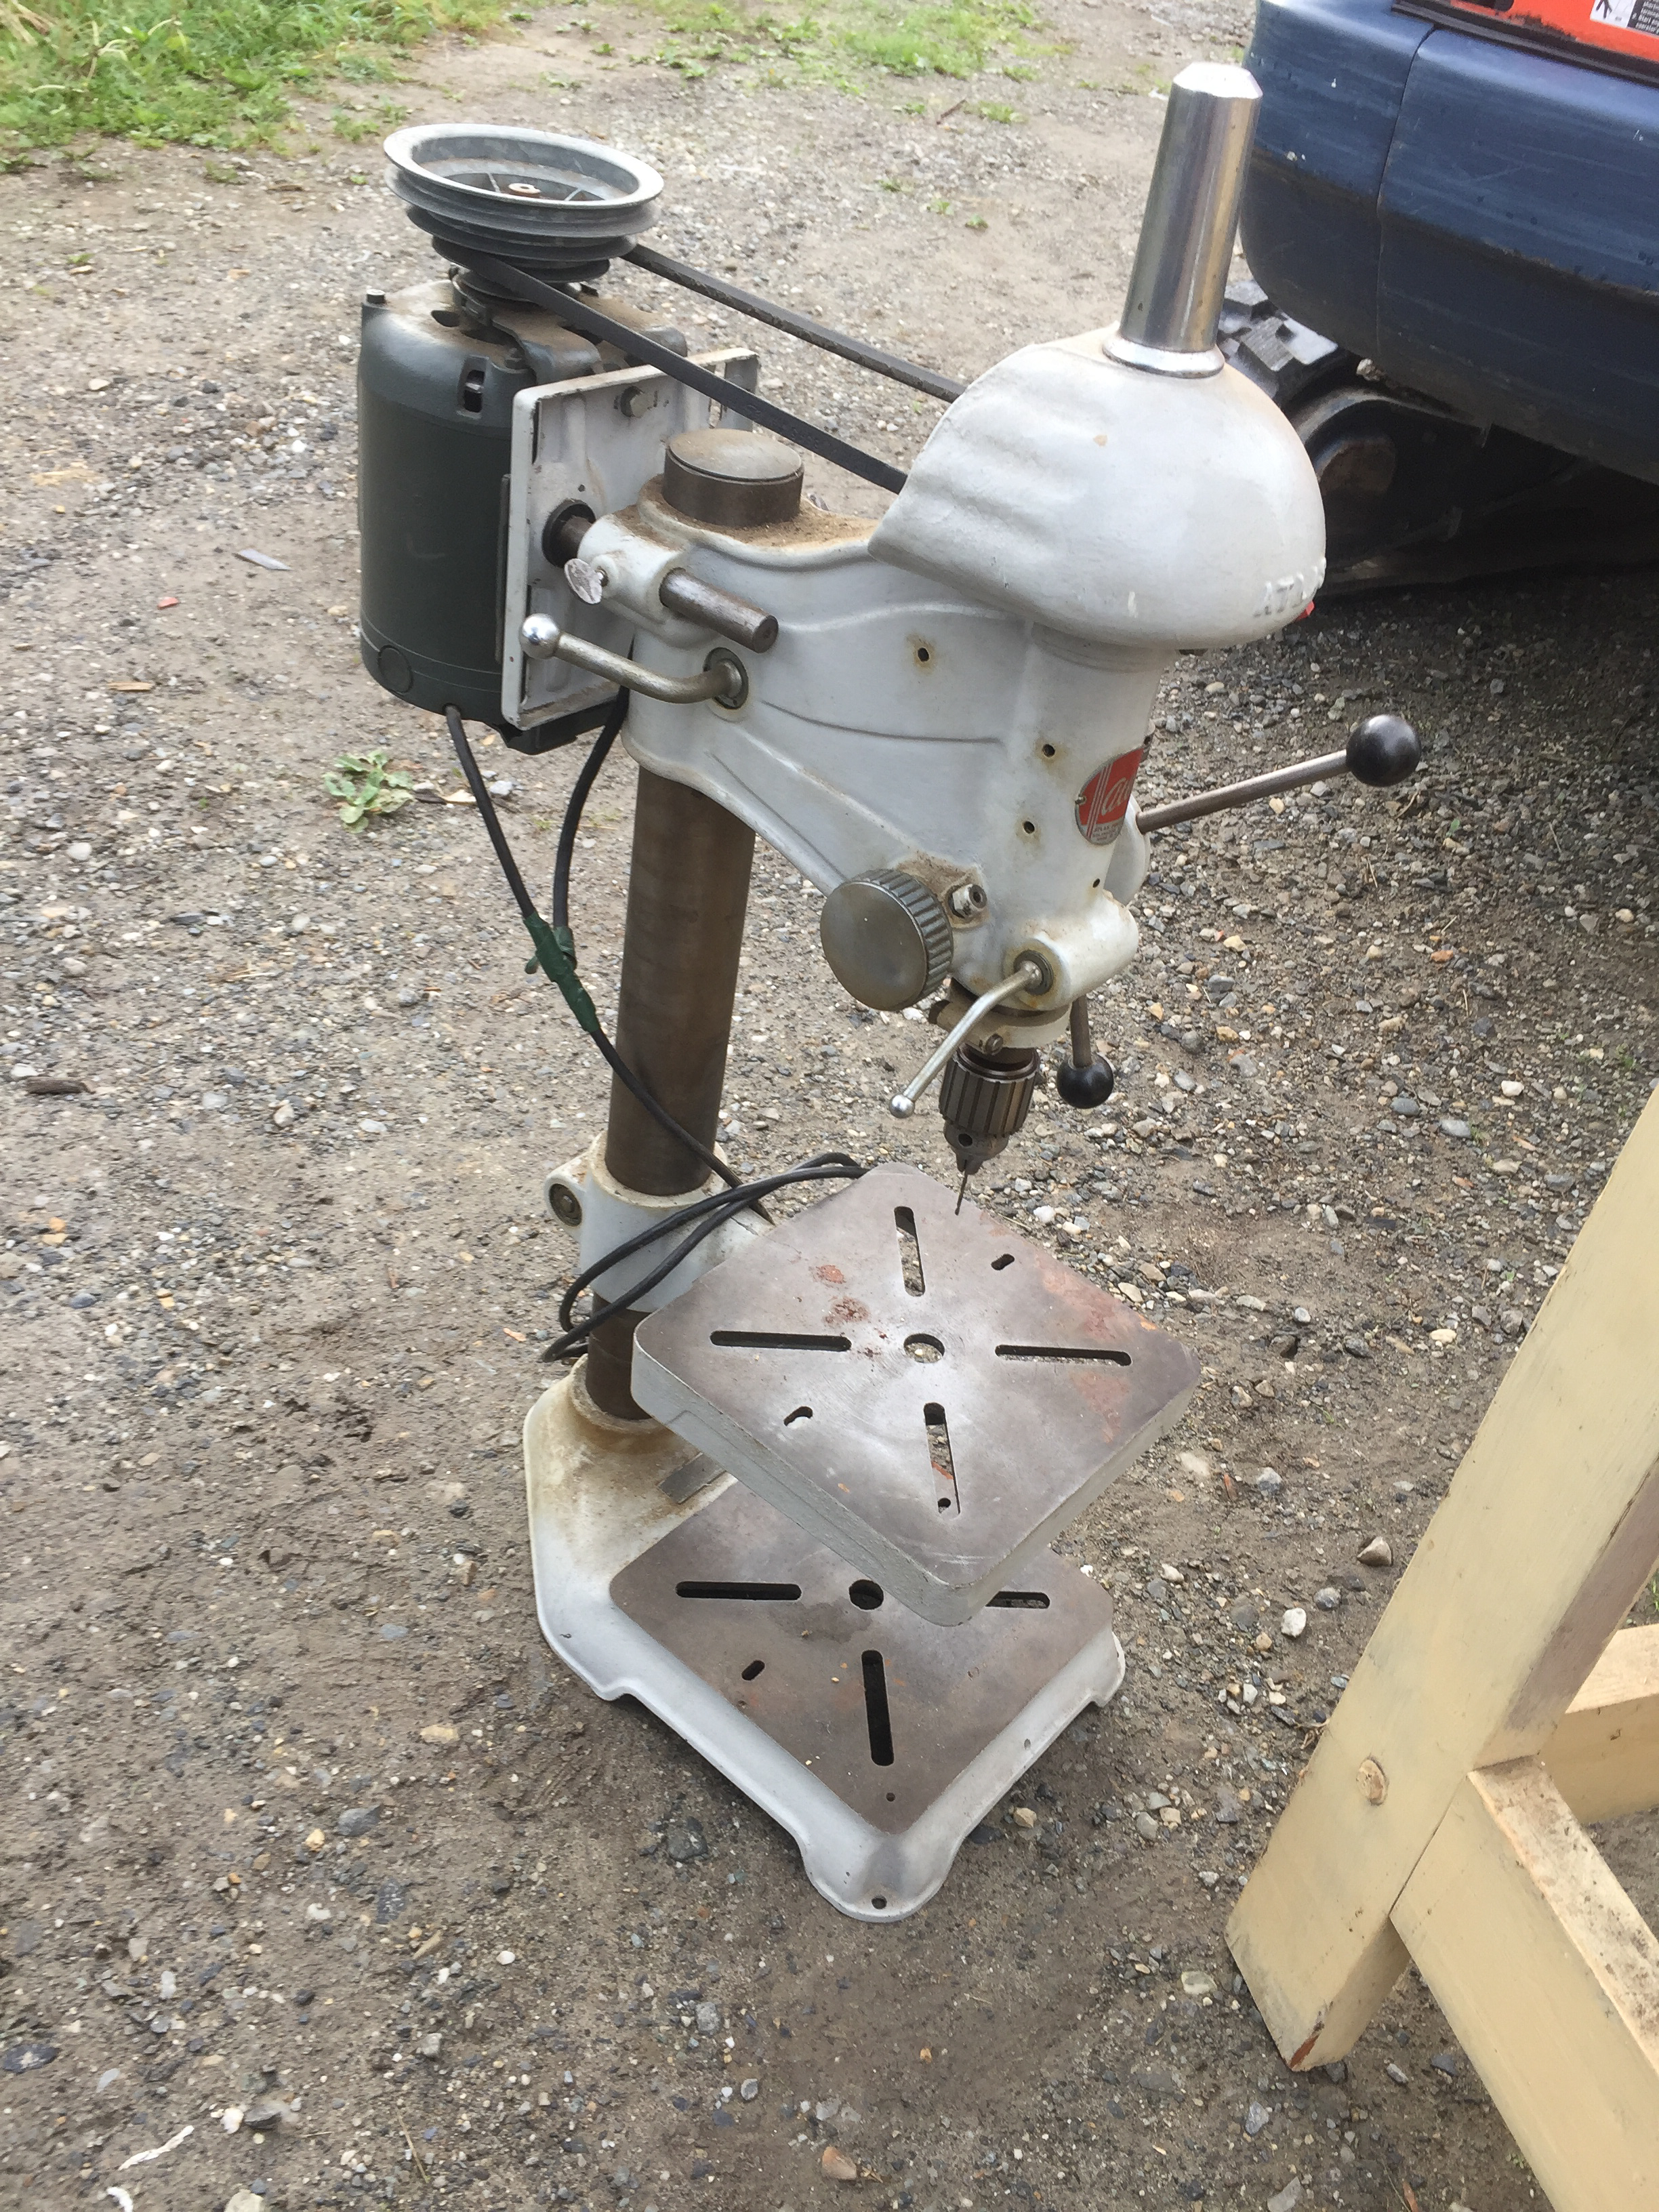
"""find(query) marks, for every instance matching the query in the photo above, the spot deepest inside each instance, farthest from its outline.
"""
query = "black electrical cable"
(707, 1215)
(578, 799)
(539, 932)
(724, 1203)
(486, 806)
(556, 955)
(718, 1201)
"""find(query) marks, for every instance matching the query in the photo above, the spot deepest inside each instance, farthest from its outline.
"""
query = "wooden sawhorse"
(1495, 1710)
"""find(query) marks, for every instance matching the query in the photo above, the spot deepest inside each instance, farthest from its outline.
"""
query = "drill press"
(798, 1494)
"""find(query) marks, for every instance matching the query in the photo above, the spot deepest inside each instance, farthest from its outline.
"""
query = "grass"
(354, 125)
(223, 73)
(939, 38)
(196, 72)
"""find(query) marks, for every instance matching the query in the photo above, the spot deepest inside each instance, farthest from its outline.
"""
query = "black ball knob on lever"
(1085, 1087)
(1384, 750)
(1086, 1080)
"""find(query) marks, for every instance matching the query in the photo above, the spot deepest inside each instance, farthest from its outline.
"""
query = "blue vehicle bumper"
(1481, 223)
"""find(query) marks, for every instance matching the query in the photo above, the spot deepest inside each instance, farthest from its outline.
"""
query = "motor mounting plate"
(591, 442)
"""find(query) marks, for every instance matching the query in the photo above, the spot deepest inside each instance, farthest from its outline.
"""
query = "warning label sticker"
(1628, 15)
(1619, 35)
(1102, 804)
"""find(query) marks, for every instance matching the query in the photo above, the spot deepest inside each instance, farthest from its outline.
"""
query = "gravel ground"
(320, 1880)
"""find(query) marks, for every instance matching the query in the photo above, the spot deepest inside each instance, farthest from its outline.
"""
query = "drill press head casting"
(938, 718)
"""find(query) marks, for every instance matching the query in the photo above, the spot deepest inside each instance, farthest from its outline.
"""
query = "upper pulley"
(563, 207)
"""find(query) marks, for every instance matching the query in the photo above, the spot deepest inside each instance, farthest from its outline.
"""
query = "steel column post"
(688, 893)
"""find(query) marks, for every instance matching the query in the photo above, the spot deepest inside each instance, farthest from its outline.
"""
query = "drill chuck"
(985, 1097)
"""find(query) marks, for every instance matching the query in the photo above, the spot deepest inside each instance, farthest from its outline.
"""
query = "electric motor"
(439, 370)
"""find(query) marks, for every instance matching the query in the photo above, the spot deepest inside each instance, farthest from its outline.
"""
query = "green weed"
(365, 784)
(196, 72)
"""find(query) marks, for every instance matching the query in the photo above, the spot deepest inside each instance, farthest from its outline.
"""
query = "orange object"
(1623, 34)
(160, 604)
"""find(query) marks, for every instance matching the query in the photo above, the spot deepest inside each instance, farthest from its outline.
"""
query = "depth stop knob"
(887, 937)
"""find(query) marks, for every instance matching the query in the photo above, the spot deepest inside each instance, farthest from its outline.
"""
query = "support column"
(688, 893)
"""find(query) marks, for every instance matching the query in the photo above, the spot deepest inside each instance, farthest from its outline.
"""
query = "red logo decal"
(1104, 799)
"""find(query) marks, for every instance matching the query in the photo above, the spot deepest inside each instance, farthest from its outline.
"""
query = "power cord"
(706, 1214)
(574, 805)
(556, 948)
(556, 955)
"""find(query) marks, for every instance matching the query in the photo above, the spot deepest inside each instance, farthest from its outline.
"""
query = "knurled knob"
(887, 937)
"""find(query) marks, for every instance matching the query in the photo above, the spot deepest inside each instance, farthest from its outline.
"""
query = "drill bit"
(962, 1189)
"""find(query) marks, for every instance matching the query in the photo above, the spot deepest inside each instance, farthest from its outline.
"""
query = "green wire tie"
(556, 955)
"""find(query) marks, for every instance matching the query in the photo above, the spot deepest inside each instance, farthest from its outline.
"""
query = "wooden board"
(1604, 1755)
(1549, 1980)
(1550, 1529)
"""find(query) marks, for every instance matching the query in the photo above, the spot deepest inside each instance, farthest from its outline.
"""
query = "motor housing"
(434, 425)
(438, 369)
